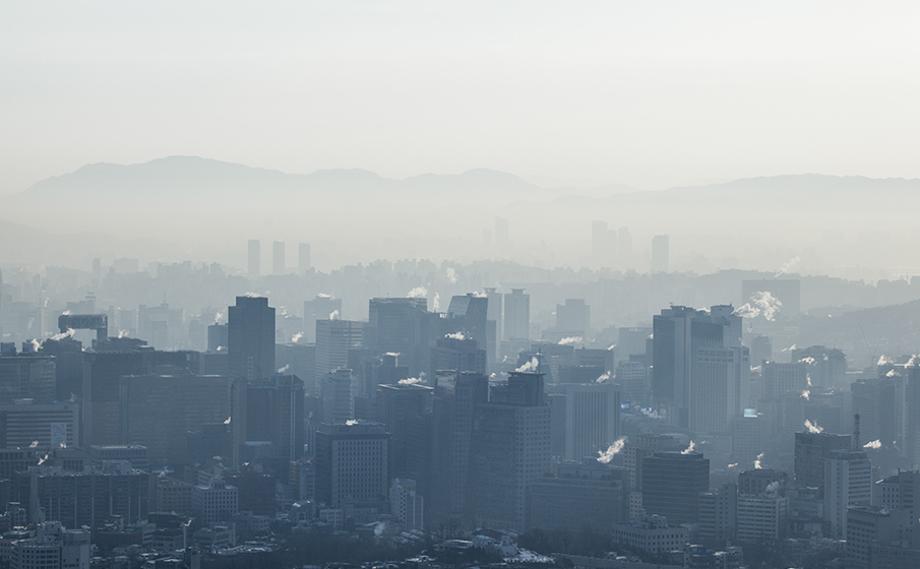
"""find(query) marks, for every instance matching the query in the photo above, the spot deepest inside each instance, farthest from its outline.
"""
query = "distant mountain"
(179, 175)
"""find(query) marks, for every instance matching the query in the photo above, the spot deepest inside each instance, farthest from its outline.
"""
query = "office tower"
(405, 412)
(912, 416)
(457, 396)
(254, 260)
(457, 354)
(828, 367)
(337, 396)
(351, 465)
(661, 254)
(516, 318)
(274, 415)
(322, 307)
(786, 291)
(27, 375)
(158, 325)
(102, 372)
(251, 338)
(468, 315)
(584, 494)
(631, 342)
(402, 326)
(761, 517)
(847, 482)
(53, 425)
(811, 450)
(52, 547)
(215, 502)
(334, 339)
(158, 410)
(761, 350)
(304, 259)
(671, 484)
(218, 337)
(632, 376)
(406, 504)
(717, 519)
(511, 449)
(68, 366)
(573, 318)
(881, 403)
(279, 258)
(878, 538)
(699, 366)
(643, 445)
(782, 378)
(89, 497)
(592, 413)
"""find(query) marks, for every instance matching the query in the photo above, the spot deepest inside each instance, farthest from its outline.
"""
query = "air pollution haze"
(416, 285)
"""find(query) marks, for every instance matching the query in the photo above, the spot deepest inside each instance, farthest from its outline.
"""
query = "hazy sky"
(640, 92)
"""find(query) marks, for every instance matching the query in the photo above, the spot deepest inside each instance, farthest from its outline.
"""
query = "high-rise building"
(761, 517)
(457, 396)
(511, 449)
(279, 258)
(215, 502)
(337, 394)
(591, 418)
(352, 465)
(847, 482)
(717, 519)
(671, 485)
(912, 416)
(661, 254)
(52, 425)
(322, 307)
(87, 497)
(334, 339)
(254, 260)
(811, 450)
(274, 416)
(581, 494)
(251, 338)
(782, 378)
(158, 410)
(468, 315)
(304, 258)
(405, 411)
(699, 375)
(403, 326)
(407, 504)
(516, 320)
(27, 375)
(573, 318)
(457, 354)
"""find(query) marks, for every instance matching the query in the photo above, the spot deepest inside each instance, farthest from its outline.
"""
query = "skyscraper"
(672, 483)
(351, 465)
(254, 260)
(699, 366)
(403, 326)
(516, 315)
(847, 482)
(322, 307)
(661, 254)
(591, 418)
(251, 338)
(337, 395)
(279, 258)
(334, 339)
(304, 259)
(511, 449)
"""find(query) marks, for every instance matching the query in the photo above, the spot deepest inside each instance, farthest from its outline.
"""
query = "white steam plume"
(761, 303)
(530, 365)
(569, 340)
(690, 448)
(758, 462)
(418, 292)
(602, 378)
(606, 456)
(876, 444)
(410, 381)
(787, 266)
(455, 336)
(813, 428)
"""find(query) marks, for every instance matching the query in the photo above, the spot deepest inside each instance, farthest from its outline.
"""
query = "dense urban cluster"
(526, 418)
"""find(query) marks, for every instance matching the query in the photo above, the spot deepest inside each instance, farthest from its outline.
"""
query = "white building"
(53, 547)
(651, 534)
(215, 502)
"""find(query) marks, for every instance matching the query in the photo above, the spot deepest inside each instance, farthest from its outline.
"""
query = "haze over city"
(431, 285)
